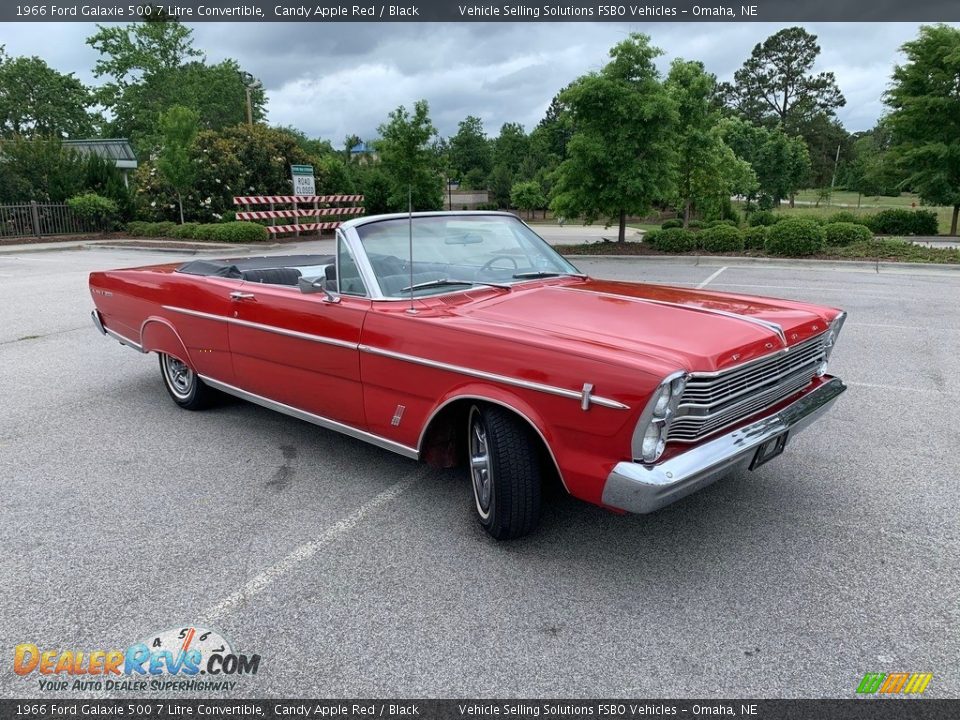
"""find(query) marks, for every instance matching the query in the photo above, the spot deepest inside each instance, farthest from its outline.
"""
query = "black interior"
(235, 267)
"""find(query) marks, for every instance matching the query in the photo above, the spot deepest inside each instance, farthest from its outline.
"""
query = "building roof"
(117, 149)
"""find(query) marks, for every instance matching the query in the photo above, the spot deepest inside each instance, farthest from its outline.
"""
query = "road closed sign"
(303, 181)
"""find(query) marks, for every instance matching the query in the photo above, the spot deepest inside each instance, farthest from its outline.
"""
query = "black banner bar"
(479, 11)
(142, 709)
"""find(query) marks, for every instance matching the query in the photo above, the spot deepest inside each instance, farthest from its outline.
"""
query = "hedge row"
(894, 221)
(228, 232)
(789, 236)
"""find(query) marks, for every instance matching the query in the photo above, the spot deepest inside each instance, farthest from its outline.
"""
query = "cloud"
(335, 79)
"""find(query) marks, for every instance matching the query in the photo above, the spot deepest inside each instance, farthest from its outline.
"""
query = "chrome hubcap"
(179, 376)
(480, 469)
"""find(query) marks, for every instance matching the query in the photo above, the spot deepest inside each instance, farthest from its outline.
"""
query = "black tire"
(507, 483)
(184, 385)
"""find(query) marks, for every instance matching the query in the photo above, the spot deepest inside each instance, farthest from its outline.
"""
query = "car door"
(300, 349)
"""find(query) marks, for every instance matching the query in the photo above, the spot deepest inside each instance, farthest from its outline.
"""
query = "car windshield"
(454, 252)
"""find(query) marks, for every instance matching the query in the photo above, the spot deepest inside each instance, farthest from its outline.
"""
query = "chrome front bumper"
(639, 488)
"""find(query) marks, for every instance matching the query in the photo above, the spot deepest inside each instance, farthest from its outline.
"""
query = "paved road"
(354, 572)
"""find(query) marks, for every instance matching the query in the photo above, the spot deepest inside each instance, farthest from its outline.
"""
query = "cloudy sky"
(333, 79)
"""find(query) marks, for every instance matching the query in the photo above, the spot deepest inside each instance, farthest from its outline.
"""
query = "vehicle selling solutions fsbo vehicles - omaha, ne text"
(464, 336)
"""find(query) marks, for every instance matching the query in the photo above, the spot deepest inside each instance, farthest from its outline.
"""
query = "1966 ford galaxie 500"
(448, 336)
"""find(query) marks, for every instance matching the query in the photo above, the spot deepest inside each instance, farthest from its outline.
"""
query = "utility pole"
(833, 181)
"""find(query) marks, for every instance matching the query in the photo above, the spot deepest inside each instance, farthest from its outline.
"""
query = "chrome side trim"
(504, 379)
(309, 417)
(773, 327)
(530, 422)
(122, 340)
(266, 328)
(639, 488)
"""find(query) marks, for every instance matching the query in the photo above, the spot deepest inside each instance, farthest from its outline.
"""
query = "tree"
(469, 151)
(824, 136)
(511, 148)
(527, 196)
(153, 66)
(408, 160)
(873, 169)
(238, 160)
(38, 101)
(620, 158)
(707, 170)
(179, 128)
(777, 83)
(925, 116)
(42, 170)
(781, 163)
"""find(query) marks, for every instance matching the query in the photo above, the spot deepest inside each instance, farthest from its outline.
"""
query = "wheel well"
(444, 441)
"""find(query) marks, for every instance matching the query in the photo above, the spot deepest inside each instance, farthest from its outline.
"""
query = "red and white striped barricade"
(306, 213)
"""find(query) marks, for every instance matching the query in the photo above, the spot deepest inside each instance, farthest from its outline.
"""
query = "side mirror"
(308, 286)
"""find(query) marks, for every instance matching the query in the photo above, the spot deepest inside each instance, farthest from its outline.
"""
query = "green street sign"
(301, 169)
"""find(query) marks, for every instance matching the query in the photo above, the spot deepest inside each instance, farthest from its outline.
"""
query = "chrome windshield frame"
(348, 232)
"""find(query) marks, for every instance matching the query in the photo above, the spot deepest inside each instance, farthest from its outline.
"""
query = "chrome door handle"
(242, 296)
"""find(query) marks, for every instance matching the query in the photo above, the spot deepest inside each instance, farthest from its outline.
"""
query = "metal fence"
(35, 219)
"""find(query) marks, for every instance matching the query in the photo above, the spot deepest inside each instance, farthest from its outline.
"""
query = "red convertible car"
(464, 336)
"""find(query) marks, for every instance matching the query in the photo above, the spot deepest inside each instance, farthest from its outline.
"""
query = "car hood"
(696, 330)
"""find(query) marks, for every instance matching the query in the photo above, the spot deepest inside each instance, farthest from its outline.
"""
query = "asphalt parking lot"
(353, 572)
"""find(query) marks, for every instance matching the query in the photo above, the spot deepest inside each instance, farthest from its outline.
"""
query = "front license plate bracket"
(768, 450)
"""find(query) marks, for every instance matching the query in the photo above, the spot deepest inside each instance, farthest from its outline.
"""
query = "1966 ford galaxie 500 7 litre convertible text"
(444, 336)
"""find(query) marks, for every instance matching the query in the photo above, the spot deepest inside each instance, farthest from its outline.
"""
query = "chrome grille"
(711, 401)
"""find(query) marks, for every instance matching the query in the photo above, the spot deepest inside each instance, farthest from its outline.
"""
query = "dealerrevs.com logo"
(187, 659)
(894, 683)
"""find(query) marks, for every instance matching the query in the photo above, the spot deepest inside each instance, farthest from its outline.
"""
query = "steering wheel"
(488, 265)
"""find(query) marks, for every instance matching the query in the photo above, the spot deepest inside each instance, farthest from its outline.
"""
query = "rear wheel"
(185, 387)
(504, 471)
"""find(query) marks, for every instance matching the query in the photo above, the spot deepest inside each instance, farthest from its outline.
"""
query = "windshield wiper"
(442, 282)
(545, 274)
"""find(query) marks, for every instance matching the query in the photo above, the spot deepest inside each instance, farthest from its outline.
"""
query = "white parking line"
(263, 580)
(712, 277)
(898, 388)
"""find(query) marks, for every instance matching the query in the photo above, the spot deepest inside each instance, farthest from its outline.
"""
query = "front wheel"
(504, 472)
(185, 387)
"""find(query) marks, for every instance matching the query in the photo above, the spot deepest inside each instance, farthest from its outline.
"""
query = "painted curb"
(216, 249)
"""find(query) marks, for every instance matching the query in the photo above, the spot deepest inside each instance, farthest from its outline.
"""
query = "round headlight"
(651, 447)
(663, 402)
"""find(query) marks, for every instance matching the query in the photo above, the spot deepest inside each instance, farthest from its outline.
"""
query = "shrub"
(795, 237)
(137, 228)
(755, 237)
(721, 238)
(672, 223)
(160, 229)
(695, 224)
(762, 217)
(898, 221)
(229, 232)
(187, 231)
(205, 231)
(96, 210)
(672, 240)
(239, 232)
(845, 216)
(844, 233)
(724, 221)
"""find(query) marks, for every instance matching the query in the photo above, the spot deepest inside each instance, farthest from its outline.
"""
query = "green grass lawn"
(847, 197)
(846, 200)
